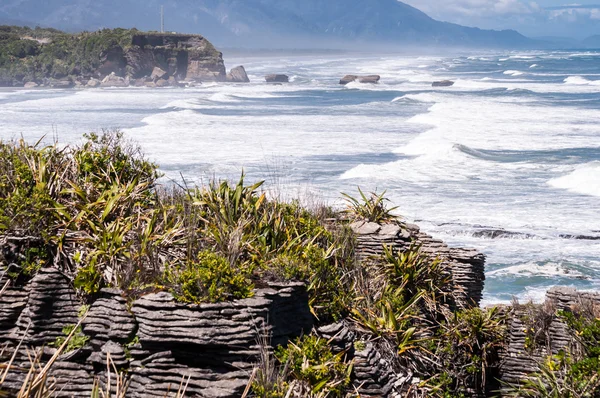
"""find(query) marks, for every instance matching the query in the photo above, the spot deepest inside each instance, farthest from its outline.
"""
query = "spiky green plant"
(370, 207)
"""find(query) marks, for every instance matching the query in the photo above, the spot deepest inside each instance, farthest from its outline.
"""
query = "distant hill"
(266, 23)
(592, 42)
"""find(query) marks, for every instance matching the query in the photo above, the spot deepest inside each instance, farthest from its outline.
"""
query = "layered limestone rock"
(156, 339)
(374, 376)
(51, 306)
(467, 265)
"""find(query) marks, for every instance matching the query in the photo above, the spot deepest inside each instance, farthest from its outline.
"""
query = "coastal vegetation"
(35, 54)
(101, 213)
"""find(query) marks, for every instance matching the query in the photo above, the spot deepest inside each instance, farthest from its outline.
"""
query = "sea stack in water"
(372, 79)
(275, 78)
(443, 83)
(238, 75)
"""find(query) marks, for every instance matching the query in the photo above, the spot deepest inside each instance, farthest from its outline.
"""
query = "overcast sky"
(533, 18)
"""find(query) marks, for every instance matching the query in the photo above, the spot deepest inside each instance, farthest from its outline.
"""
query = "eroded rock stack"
(467, 265)
(374, 375)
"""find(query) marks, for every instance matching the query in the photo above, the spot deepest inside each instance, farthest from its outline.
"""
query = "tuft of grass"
(371, 207)
(73, 337)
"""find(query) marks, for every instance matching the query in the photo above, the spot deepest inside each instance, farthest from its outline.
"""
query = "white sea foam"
(548, 270)
(222, 97)
(584, 180)
(421, 97)
(581, 81)
(524, 57)
(533, 66)
(183, 104)
(513, 73)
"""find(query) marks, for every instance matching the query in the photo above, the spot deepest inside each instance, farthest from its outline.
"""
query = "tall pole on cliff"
(162, 19)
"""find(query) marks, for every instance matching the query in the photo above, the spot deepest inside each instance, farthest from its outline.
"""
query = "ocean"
(506, 161)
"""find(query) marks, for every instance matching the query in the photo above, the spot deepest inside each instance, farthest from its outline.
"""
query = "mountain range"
(265, 23)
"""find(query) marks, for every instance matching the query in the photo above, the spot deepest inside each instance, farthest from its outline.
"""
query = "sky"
(536, 18)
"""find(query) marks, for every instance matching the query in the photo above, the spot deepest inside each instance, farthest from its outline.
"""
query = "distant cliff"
(107, 57)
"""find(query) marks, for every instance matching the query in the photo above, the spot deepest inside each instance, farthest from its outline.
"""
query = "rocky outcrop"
(523, 353)
(156, 339)
(238, 75)
(183, 57)
(443, 83)
(277, 78)
(361, 79)
(466, 265)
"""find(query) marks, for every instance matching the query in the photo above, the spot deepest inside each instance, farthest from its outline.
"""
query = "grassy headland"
(52, 57)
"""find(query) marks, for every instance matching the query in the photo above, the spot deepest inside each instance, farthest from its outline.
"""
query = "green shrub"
(89, 279)
(467, 349)
(413, 273)
(27, 184)
(310, 361)
(210, 278)
(77, 341)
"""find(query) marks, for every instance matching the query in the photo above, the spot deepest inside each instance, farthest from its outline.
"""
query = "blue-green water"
(514, 145)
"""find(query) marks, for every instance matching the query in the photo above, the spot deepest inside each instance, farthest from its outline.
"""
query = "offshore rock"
(238, 75)
(277, 79)
(443, 83)
(372, 79)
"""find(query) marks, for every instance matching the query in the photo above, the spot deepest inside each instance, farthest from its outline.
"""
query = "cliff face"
(109, 57)
(185, 57)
